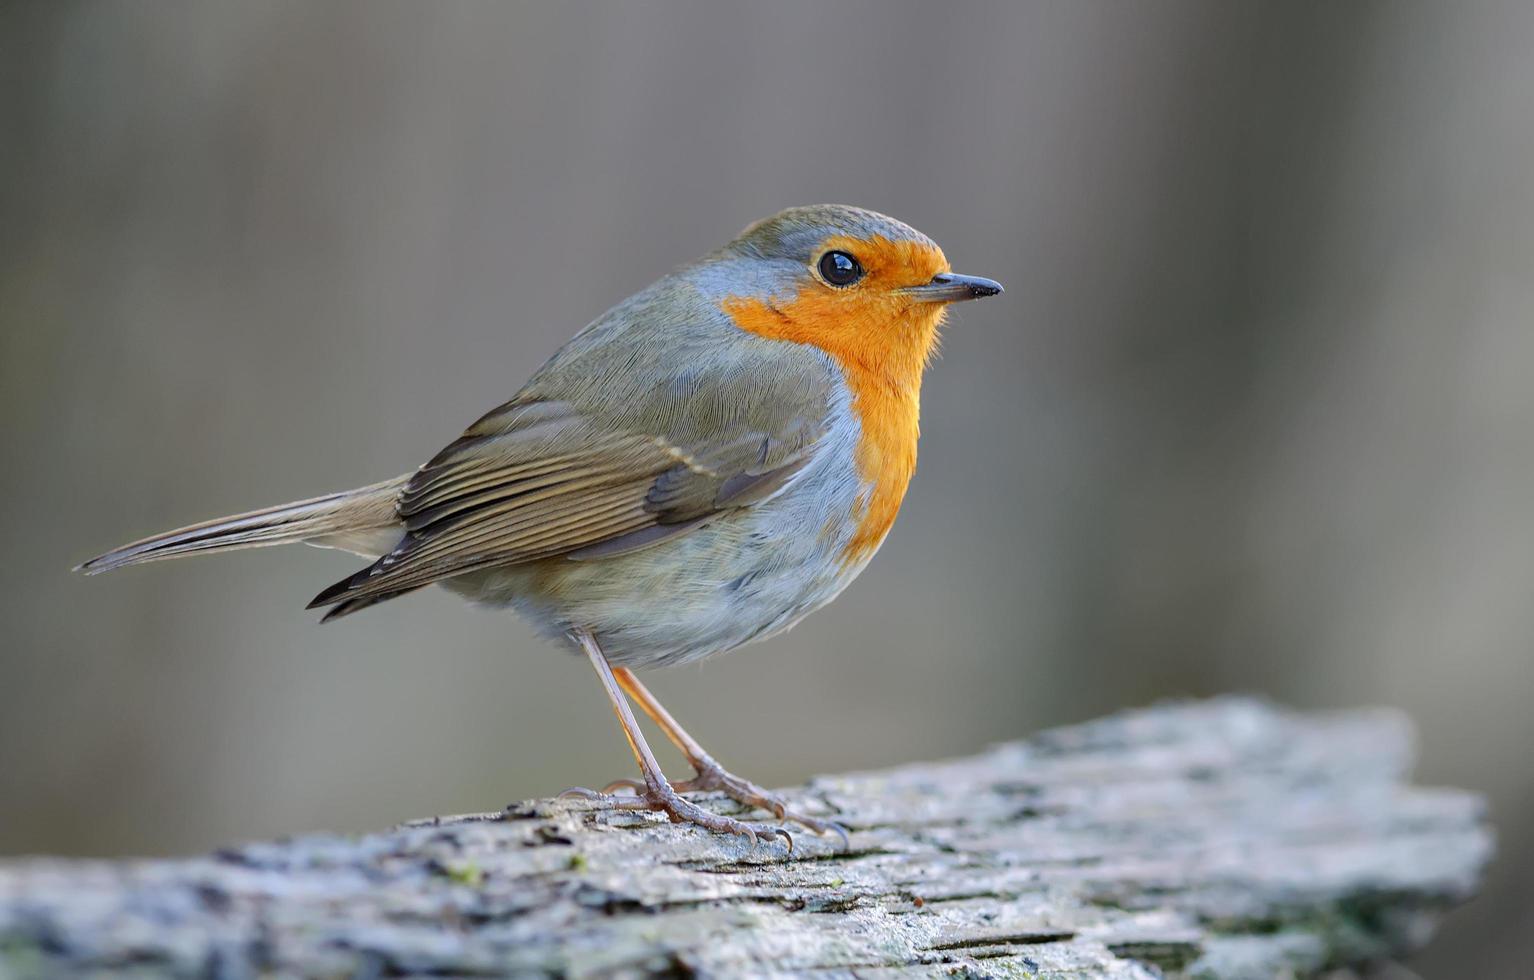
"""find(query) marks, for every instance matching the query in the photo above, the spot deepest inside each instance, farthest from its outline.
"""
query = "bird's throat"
(882, 355)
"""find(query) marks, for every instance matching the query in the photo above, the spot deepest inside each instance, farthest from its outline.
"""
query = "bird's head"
(868, 289)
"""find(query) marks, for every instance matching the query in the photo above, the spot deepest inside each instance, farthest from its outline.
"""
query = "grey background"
(1255, 412)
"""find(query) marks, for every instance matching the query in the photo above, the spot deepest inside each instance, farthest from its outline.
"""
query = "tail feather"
(362, 521)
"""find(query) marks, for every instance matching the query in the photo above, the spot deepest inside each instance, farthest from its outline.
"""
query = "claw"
(833, 827)
(630, 784)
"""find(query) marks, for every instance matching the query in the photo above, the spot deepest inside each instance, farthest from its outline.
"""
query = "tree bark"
(1224, 839)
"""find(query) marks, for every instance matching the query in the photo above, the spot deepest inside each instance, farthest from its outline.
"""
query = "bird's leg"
(710, 774)
(655, 793)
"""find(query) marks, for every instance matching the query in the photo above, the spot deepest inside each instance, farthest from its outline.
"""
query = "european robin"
(703, 466)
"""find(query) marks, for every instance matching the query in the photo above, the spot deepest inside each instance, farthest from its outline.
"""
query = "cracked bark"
(1224, 839)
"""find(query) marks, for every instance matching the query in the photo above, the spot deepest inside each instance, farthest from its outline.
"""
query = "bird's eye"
(840, 269)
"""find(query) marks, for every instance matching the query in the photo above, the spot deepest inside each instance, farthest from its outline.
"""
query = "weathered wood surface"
(1218, 839)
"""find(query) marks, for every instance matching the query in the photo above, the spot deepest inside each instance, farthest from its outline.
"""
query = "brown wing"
(539, 479)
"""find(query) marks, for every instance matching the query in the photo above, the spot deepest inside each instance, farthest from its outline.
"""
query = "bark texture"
(1224, 839)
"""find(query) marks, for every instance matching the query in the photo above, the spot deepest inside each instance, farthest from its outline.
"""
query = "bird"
(701, 467)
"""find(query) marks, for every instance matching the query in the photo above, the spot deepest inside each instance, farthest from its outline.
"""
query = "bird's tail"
(361, 521)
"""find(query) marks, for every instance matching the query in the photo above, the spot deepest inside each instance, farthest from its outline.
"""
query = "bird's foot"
(662, 797)
(711, 777)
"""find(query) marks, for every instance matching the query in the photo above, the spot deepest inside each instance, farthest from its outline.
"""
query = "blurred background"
(1255, 413)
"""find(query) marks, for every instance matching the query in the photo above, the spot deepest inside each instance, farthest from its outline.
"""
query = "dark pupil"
(839, 268)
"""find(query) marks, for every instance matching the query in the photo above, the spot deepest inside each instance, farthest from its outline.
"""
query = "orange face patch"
(881, 339)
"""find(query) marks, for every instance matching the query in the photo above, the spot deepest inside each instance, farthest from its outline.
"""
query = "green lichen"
(464, 873)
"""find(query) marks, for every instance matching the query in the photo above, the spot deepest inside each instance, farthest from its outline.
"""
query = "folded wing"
(538, 479)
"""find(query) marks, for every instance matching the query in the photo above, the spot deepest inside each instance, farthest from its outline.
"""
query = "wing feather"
(537, 479)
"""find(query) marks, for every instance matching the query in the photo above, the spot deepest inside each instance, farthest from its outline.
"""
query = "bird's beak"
(950, 287)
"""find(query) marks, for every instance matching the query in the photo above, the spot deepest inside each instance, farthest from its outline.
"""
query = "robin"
(701, 467)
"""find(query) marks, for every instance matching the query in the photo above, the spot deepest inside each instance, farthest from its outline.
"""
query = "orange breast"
(881, 342)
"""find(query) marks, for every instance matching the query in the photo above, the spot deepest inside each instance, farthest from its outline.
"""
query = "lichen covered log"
(1224, 839)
